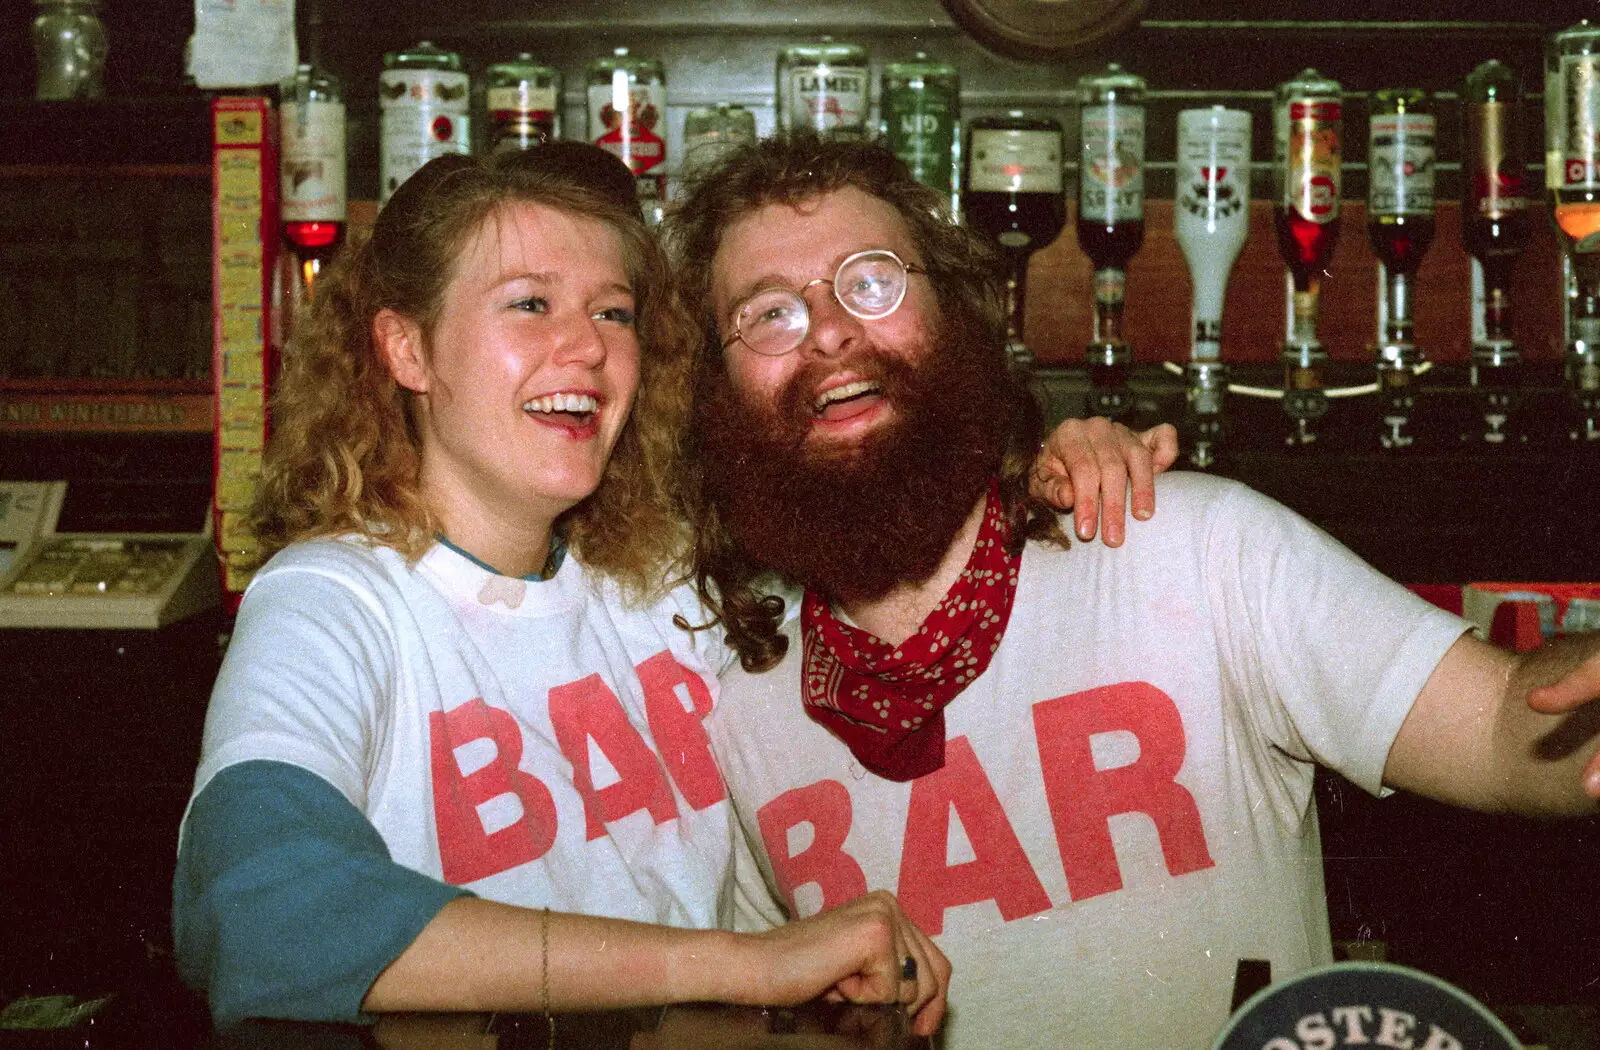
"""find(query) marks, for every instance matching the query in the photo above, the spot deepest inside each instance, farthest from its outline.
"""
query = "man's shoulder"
(1187, 502)
(1193, 488)
(742, 688)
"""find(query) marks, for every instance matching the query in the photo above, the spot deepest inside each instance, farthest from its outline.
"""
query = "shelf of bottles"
(1023, 176)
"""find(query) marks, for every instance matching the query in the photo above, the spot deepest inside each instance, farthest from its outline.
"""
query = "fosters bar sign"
(1364, 1004)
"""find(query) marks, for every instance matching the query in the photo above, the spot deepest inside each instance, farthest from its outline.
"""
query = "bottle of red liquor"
(312, 170)
(1400, 180)
(1012, 191)
(1495, 227)
(1308, 122)
(1110, 222)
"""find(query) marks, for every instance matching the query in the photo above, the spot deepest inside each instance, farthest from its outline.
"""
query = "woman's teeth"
(844, 393)
(575, 403)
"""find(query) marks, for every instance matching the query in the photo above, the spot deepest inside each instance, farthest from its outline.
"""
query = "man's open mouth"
(845, 399)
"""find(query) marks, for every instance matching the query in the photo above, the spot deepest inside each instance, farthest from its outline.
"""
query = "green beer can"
(921, 101)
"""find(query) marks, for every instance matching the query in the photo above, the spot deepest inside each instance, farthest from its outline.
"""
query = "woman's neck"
(512, 546)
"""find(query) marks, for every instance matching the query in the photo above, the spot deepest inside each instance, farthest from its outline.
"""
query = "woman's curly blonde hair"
(345, 455)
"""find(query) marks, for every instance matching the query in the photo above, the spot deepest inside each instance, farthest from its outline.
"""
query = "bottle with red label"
(1495, 227)
(628, 116)
(1308, 125)
(523, 99)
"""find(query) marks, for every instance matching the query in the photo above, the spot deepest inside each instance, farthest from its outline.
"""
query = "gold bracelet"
(544, 974)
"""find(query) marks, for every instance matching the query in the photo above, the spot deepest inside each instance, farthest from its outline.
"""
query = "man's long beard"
(855, 522)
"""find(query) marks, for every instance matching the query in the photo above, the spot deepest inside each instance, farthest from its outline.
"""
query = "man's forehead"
(787, 242)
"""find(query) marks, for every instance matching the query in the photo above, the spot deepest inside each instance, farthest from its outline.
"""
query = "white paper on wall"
(242, 43)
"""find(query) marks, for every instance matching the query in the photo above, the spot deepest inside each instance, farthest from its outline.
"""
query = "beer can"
(627, 99)
(823, 87)
(921, 102)
(709, 134)
(524, 103)
(423, 93)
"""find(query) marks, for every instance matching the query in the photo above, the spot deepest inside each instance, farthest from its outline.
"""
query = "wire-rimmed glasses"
(870, 285)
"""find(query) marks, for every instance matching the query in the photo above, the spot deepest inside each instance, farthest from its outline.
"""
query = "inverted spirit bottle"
(312, 171)
(1212, 220)
(1110, 222)
(824, 87)
(1574, 73)
(1012, 192)
(1494, 229)
(1400, 179)
(1308, 126)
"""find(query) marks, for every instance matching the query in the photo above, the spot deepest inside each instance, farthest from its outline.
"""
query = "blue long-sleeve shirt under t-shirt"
(286, 903)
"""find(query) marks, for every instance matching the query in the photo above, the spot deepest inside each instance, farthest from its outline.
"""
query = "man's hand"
(863, 951)
(1086, 464)
(1579, 686)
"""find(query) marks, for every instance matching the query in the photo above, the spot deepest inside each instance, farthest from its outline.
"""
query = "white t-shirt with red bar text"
(540, 742)
(1125, 810)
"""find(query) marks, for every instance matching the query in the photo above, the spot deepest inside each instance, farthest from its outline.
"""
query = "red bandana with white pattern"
(887, 702)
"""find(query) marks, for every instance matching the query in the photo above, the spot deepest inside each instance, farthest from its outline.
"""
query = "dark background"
(99, 732)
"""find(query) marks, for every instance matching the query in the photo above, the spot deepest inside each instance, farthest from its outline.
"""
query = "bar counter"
(153, 1012)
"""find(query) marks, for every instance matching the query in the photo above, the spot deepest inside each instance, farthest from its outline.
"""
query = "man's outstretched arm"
(1504, 732)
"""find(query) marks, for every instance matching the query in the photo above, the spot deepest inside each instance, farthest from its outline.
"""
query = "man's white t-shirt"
(1125, 809)
(540, 742)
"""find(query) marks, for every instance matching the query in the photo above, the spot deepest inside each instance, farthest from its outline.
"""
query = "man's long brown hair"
(966, 277)
(346, 456)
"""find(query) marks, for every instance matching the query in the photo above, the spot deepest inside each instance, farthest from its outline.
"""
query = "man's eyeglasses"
(870, 285)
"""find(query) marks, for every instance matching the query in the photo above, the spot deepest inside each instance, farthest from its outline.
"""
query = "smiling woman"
(351, 412)
(520, 391)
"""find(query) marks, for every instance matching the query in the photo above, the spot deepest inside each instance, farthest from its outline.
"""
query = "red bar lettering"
(588, 709)
(466, 852)
(1082, 797)
(999, 870)
(680, 735)
(824, 805)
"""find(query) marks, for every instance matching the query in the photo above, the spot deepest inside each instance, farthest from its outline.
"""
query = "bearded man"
(1086, 771)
